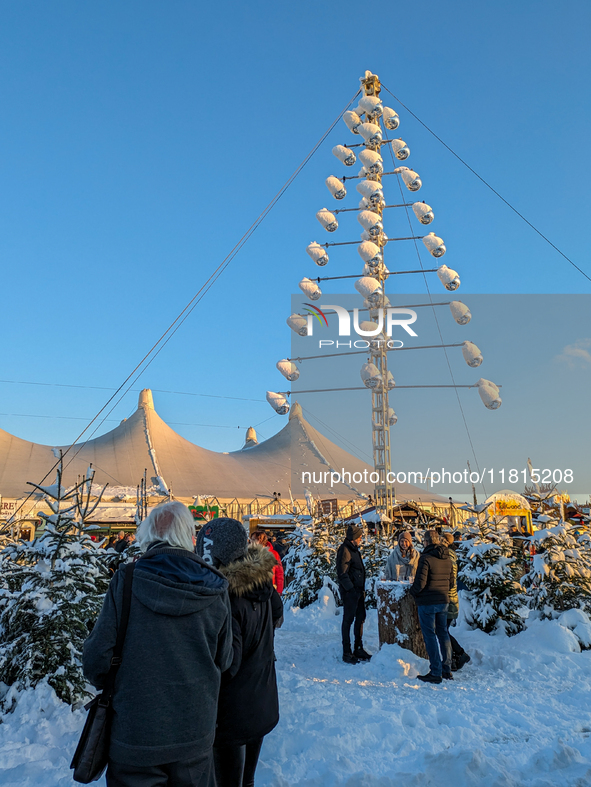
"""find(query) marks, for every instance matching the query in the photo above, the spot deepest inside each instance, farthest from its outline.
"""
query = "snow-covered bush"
(494, 596)
(52, 591)
(374, 550)
(310, 559)
(560, 577)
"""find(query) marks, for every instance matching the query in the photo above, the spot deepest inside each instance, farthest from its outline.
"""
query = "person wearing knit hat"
(248, 702)
(351, 575)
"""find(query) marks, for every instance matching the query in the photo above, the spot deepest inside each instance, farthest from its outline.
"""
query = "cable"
(473, 171)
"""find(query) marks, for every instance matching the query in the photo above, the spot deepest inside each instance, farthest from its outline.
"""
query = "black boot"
(349, 658)
(361, 654)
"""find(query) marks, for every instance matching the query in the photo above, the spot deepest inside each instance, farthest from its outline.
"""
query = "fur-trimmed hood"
(250, 573)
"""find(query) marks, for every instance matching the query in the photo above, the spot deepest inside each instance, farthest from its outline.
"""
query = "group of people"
(196, 690)
(433, 574)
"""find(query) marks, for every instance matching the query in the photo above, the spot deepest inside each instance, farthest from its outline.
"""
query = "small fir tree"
(560, 576)
(53, 589)
(488, 569)
(310, 559)
(374, 551)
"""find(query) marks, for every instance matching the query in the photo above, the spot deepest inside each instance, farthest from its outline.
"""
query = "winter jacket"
(453, 609)
(401, 568)
(434, 577)
(350, 568)
(178, 642)
(278, 574)
(248, 706)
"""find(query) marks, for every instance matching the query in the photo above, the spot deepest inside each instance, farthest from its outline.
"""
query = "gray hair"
(169, 522)
(432, 537)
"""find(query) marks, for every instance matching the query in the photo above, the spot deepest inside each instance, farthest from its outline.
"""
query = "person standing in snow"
(248, 705)
(459, 655)
(260, 537)
(433, 581)
(178, 643)
(402, 560)
(351, 576)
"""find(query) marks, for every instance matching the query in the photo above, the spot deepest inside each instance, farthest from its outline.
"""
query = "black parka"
(350, 568)
(434, 578)
(248, 705)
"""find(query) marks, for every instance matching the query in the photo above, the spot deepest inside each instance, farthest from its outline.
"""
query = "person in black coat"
(351, 576)
(248, 705)
(433, 581)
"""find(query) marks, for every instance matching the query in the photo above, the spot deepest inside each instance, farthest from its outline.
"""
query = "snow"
(516, 716)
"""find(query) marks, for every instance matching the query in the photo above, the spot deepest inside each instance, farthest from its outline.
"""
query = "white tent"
(145, 441)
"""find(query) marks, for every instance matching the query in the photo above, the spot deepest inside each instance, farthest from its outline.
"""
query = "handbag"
(92, 753)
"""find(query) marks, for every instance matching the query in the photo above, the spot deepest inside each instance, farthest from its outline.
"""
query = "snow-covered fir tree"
(52, 592)
(489, 570)
(560, 577)
(374, 551)
(310, 558)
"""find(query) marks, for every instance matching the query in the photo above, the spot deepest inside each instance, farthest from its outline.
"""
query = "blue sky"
(140, 140)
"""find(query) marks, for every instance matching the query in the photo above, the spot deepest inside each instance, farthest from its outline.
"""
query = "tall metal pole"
(384, 491)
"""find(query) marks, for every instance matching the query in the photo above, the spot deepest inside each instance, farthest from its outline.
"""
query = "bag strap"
(109, 684)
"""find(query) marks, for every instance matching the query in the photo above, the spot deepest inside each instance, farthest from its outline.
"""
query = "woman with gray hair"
(178, 642)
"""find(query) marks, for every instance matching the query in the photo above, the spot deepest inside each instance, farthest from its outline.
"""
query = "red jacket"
(278, 576)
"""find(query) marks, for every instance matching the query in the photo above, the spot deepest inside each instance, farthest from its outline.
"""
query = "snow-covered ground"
(518, 714)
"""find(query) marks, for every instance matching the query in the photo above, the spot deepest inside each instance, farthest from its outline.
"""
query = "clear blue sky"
(140, 140)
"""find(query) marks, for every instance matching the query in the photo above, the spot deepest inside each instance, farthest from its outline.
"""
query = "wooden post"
(398, 620)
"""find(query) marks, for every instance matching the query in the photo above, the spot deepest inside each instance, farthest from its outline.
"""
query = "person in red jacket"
(260, 537)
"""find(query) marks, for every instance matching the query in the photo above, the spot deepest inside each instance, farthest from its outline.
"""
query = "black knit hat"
(221, 541)
(353, 532)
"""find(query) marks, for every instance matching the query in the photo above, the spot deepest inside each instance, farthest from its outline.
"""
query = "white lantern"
(344, 155)
(401, 149)
(278, 402)
(368, 329)
(390, 384)
(371, 222)
(371, 105)
(472, 354)
(327, 219)
(372, 191)
(369, 288)
(460, 312)
(435, 245)
(449, 278)
(373, 163)
(288, 369)
(381, 302)
(298, 323)
(364, 204)
(370, 253)
(410, 178)
(489, 393)
(391, 119)
(371, 133)
(370, 374)
(352, 121)
(423, 212)
(318, 254)
(392, 417)
(380, 240)
(310, 289)
(336, 187)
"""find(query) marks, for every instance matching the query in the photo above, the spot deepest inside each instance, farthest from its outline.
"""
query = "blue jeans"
(433, 620)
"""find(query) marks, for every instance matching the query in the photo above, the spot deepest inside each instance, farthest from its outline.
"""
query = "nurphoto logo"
(379, 329)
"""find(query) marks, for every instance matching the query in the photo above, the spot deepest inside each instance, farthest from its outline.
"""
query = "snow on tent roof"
(144, 440)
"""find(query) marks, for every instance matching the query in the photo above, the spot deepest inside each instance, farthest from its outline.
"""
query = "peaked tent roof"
(145, 441)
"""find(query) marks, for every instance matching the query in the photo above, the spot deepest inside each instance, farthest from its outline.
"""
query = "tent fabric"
(145, 441)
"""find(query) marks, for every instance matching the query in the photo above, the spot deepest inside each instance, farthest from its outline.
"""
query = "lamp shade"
(298, 324)
(489, 393)
(278, 402)
(288, 369)
(310, 289)
(400, 149)
(423, 212)
(460, 312)
(435, 245)
(390, 118)
(370, 253)
(327, 219)
(336, 187)
(317, 253)
(352, 121)
(370, 374)
(472, 354)
(371, 222)
(449, 278)
(371, 133)
(410, 178)
(344, 155)
(371, 161)
(371, 105)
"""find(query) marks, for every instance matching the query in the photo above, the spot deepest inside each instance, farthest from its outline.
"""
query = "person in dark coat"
(178, 643)
(459, 655)
(433, 581)
(351, 576)
(248, 706)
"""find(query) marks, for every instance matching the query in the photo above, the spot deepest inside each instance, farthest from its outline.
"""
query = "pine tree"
(53, 589)
(310, 559)
(374, 551)
(489, 570)
(560, 577)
